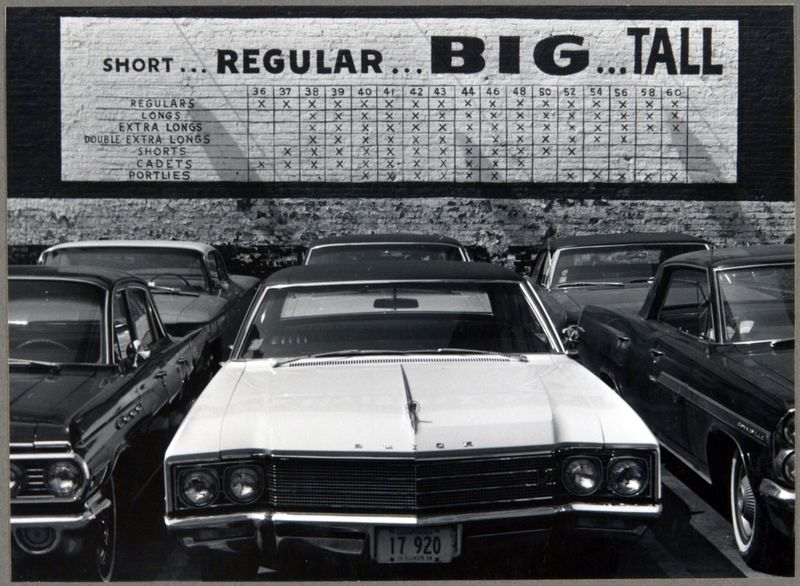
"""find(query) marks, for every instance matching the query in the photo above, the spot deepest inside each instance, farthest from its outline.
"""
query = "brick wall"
(493, 223)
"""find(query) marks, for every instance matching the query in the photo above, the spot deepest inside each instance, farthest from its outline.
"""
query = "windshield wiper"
(517, 357)
(784, 343)
(41, 363)
(170, 290)
(591, 284)
(642, 280)
(334, 353)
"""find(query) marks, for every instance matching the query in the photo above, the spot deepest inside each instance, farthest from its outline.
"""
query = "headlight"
(245, 484)
(582, 475)
(627, 476)
(64, 479)
(198, 487)
(787, 428)
(17, 480)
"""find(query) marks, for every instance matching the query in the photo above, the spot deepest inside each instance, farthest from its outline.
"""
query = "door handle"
(160, 374)
(656, 354)
(623, 339)
(183, 361)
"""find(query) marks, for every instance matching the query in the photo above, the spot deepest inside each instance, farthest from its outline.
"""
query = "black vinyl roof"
(625, 238)
(392, 270)
(100, 276)
(393, 237)
(736, 256)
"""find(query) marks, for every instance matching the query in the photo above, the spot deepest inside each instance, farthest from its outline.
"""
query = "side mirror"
(135, 353)
(220, 285)
(571, 335)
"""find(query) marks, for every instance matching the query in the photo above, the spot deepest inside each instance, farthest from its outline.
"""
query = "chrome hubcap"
(745, 506)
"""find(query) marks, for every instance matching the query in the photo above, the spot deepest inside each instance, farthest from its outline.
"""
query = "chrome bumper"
(776, 492)
(94, 506)
(353, 533)
(327, 520)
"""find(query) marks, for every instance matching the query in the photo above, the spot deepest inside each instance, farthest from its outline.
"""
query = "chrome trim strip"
(770, 488)
(60, 522)
(261, 517)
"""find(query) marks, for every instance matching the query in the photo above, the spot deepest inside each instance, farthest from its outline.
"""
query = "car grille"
(409, 486)
(35, 486)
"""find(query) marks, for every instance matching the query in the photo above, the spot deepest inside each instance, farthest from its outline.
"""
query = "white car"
(402, 412)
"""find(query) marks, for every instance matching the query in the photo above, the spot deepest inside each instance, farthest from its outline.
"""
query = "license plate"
(415, 545)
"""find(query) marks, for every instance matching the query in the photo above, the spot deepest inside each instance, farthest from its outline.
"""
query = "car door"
(236, 305)
(682, 328)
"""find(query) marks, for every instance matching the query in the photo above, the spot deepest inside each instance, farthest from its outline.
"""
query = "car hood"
(361, 404)
(44, 405)
(627, 299)
(187, 309)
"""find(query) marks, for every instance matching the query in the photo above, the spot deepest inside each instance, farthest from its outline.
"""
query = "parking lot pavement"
(692, 539)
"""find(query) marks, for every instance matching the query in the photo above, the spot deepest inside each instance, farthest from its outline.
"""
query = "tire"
(218, 566)
(97, 561)
(758, 542)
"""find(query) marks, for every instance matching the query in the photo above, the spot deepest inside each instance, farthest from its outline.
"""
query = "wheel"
(756, 539)
(218, 566)
(97, 561)
(105, 546)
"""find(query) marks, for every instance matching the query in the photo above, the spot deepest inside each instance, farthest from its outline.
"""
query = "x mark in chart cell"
(337, 139)
(339, 151)
(547, 126)
(261, 165)
(571, 150)
(287, 105)
(596, 174)
(415, 103)
(623, 116)
(312, 104)
(520, 102)
(570, 103)
(676, 128)
(390, 139)
(623, 104)
(624, 139)
(287, 151)
(338, 116)
(545, 150)
(468, 139)
(337, 103)
(262, 103)
(390, 115)
(545, 115)
(415, 115)
(495, 176)
(570, 175)
(417, 174)
(595, 103)
(365, 128)
(468, 103)
(388, 103)
(648, 103)
(493, 103)
(649, 115)
(571, 116)
(596, 139)
(651, 127)
(287, 164)
(339, 164)
(545, 103)
(621, 177)
(468, 115)
(364, 104)
(675, 104)
(520, 115)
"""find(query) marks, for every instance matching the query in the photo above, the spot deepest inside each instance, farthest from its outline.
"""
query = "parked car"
(189, 281)
(404, 413)
(610, 270)
(97, 388)
(708, 364)
(380, 247)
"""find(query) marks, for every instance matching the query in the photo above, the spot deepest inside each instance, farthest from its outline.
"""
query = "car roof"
(395, 237)
(390, 271)
(623, 238)
(179, 244)
(100, 276)
(719, 258)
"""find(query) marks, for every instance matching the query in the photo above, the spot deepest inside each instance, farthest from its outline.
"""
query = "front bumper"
(61, 525)
(355, 534)
(779, 502)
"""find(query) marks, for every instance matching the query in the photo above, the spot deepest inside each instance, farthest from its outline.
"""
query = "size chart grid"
(391, 133)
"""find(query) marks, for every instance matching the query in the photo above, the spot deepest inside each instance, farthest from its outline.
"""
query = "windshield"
(162, 268)
(403, 316)
(377, 252)
(55, 321)
(757, 303)
(617, 264)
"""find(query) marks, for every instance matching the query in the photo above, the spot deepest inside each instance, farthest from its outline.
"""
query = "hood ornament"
(411, 404)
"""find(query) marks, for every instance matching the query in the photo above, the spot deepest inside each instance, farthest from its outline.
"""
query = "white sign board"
(396, 99)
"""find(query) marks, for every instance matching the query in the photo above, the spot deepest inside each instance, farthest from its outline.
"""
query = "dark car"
(610, 270)
(378, 247)
(189, 280)
(709, 365)
(97, 389)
